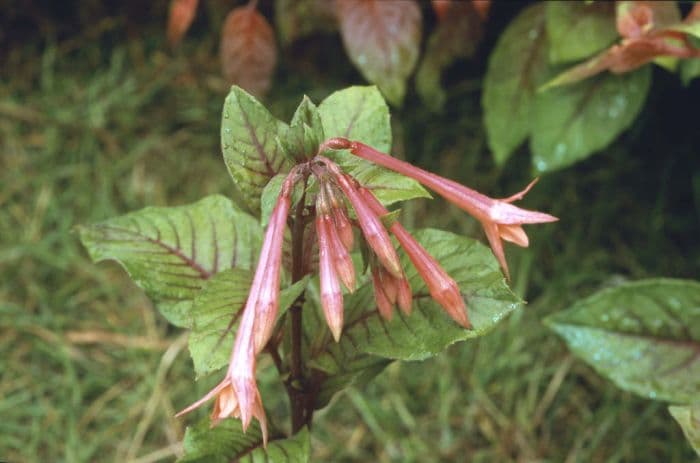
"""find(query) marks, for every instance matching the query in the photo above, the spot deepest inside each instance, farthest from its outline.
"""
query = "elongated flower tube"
(372, 228)
(237, 395)
(405, 296)
(267, 275)
(340, 255)
(384, 306)
(340, 217)
(500, 219)
(441, 286)
(331, 294)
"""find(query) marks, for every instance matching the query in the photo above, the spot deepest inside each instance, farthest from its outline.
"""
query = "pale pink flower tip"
(500, 219)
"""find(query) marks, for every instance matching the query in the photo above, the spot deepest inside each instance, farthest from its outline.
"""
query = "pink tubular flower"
(384, 305)
(331, 295)
(500, 219)
(340, 217)
(441, 286)
(266, 283)
(340, 255)
(237, 394)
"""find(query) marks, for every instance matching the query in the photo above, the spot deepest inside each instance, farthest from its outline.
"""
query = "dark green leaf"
(456, 36)
(221, 444)
(305, 132)
(688, 417)
(573, 122)
(578, 30)
(517, 67)
(382, 38)
(295, 449)
(271, 193)
(171, 251)
(227, 442)
(644, 336)
(690, 70)
(216, 312)
(360, 113)
(249, 135)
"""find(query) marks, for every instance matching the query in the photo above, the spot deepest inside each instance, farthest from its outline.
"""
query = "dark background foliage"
(98, 117)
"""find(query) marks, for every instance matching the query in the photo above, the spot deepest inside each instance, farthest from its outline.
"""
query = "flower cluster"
(237, 395)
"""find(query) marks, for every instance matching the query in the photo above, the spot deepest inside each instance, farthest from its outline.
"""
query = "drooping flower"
(443, 289)
(237, 395)
(331, 294)
(372, 228)
(500, 219)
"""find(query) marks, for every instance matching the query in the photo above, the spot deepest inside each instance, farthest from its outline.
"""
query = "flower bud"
(340, 256)
(385, 308)
(405, 296)
(441, 286)
(331, 295)
(372, 228)
(344, 227)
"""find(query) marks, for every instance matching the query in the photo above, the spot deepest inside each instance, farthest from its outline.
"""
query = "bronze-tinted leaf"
(248, 51)
(383, 41)
(180, 19)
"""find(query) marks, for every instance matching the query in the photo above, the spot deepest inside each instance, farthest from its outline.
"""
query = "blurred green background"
(98, 117)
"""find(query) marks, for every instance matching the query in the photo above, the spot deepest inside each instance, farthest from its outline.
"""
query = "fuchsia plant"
(237, 395)
(314, 184)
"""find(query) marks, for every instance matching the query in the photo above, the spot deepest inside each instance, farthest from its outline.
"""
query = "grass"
(90, 372)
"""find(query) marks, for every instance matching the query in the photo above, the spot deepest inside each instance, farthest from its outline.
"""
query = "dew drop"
(560, 150)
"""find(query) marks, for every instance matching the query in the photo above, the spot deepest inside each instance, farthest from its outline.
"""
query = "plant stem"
(295, 385)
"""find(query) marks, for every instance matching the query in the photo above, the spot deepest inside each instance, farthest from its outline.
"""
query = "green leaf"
(573, 122)
(383, 41)
(517, 67)
(294, 449)
(456, 36)
(577, 30)
(216, 312)
(221, 444)
(424, 333)
(171, 251)
(688, 416)
(360, 113)
(249, 135)
(227, 442)
(644, 336)
(271, 193)
(304, 134)
(357, 113)
(690, 68)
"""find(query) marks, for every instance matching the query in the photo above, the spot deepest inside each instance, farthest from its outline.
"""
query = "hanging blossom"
(237, 395)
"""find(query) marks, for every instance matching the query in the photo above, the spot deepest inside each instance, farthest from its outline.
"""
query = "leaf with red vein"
(171, 251)
(382, 39)
(249, 135)
(517, 67)
(248, 51)
(180, 19)
(643, 335)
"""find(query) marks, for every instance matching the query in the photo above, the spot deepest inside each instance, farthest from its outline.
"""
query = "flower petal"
(514, 234)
